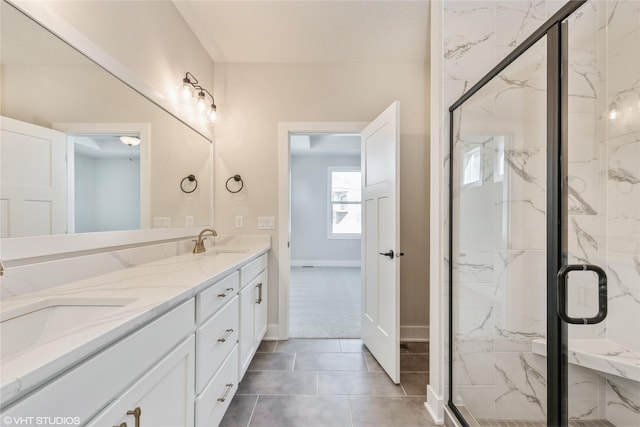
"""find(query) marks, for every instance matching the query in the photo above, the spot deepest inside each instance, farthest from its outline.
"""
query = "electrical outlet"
(239, 221)
(162, 221)
(188, 221)
(266, 222)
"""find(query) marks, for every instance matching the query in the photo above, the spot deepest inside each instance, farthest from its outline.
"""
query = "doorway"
(325, 244)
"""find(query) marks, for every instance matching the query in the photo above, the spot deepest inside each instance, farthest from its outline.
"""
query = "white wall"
(254, 98)
(149, 39)
(310, 244)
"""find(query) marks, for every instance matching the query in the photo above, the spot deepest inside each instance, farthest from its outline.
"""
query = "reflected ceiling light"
(131, 141)
(614, 113)
(188, 92)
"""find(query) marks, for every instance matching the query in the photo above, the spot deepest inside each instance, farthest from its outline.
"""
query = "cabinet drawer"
(251, 270)
(210, 300)
(214, 340)
(214, 401)
(164, 395)
(85, 390)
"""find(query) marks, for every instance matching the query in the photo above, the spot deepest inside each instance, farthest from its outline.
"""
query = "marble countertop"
(147, 291)
(600, 355)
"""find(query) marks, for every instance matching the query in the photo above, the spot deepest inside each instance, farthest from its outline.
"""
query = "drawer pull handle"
(226, 393)
(136, 413)
(259, 300)
(226, 292)
(227, 335)
(122, 425)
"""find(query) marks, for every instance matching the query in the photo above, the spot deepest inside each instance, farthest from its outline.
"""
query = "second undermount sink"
(223, 250)
(26, 327)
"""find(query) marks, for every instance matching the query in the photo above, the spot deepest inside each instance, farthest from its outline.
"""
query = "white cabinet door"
(163, 397)
(260, 318)
(247, 324)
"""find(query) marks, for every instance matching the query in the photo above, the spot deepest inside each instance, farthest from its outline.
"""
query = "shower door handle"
(563, 275)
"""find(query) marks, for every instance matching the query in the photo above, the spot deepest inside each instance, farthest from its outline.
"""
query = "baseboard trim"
(414, 333)
(435, 406)
(272, 333)
(324, 263)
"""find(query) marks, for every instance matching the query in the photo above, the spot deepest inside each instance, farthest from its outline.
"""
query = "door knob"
(390, 254)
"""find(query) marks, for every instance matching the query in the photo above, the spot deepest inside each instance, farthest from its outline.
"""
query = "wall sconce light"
(191, 91)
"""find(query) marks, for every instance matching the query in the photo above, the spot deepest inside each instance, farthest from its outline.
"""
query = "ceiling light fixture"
(188, 91)
(131, 141)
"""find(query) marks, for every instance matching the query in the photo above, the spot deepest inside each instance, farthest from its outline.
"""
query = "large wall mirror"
(81, 151)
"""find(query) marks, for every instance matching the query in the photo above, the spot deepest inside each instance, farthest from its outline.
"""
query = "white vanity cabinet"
(107, 376)
(181, 369)
(163, 397)
(253, 310)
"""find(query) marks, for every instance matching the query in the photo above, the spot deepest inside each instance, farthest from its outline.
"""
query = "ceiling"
(308, 31)
(104, 146)
(325, 144)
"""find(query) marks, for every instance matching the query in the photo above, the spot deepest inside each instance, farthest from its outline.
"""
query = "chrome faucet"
(199, 247)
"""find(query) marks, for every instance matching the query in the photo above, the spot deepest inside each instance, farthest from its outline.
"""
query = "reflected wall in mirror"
(49, 88)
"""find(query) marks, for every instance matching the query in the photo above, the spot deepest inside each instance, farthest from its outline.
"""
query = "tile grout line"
(317, 383)
(253, 410)
(350, 410)
(293, 361)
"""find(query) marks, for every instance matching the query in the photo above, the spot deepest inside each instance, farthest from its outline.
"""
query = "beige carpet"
(325, 302)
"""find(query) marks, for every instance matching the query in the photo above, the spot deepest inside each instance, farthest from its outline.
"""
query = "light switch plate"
(188, 221)
(239, 221)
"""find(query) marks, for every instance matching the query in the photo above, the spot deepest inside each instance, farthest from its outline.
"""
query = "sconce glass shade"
(130, 140)
(213, 115)
(186, 91)
(201, 102)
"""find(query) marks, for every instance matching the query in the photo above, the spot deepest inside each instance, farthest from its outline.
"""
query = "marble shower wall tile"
(520, 390)
(520, 301)
(478, 400)
(583, 394)
(623, 194)
(622, 401)
(623, 318)
(518, 20)
(469, 45)
(473, 362)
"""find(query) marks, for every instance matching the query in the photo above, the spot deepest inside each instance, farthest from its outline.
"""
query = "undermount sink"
(223, 250)
(34, 324)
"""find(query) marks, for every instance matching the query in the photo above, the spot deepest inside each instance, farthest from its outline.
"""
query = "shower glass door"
(498, 253)
(601, 211)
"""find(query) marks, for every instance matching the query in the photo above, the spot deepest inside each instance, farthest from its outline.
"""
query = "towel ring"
(191, 178)
(236, 178)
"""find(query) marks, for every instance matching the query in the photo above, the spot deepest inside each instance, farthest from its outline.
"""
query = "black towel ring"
(236, 178)
(191, 178)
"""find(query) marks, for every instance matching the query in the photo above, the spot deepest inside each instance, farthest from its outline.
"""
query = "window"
(345, 203)
(472, 167)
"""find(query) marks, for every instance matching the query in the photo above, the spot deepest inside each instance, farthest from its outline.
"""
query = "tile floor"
(325, 302)
(329, 382)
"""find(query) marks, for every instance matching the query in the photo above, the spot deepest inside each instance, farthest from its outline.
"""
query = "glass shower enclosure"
(545, 228)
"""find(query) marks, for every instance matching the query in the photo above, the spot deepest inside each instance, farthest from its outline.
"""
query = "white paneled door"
(33, 173)
(381, 240)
